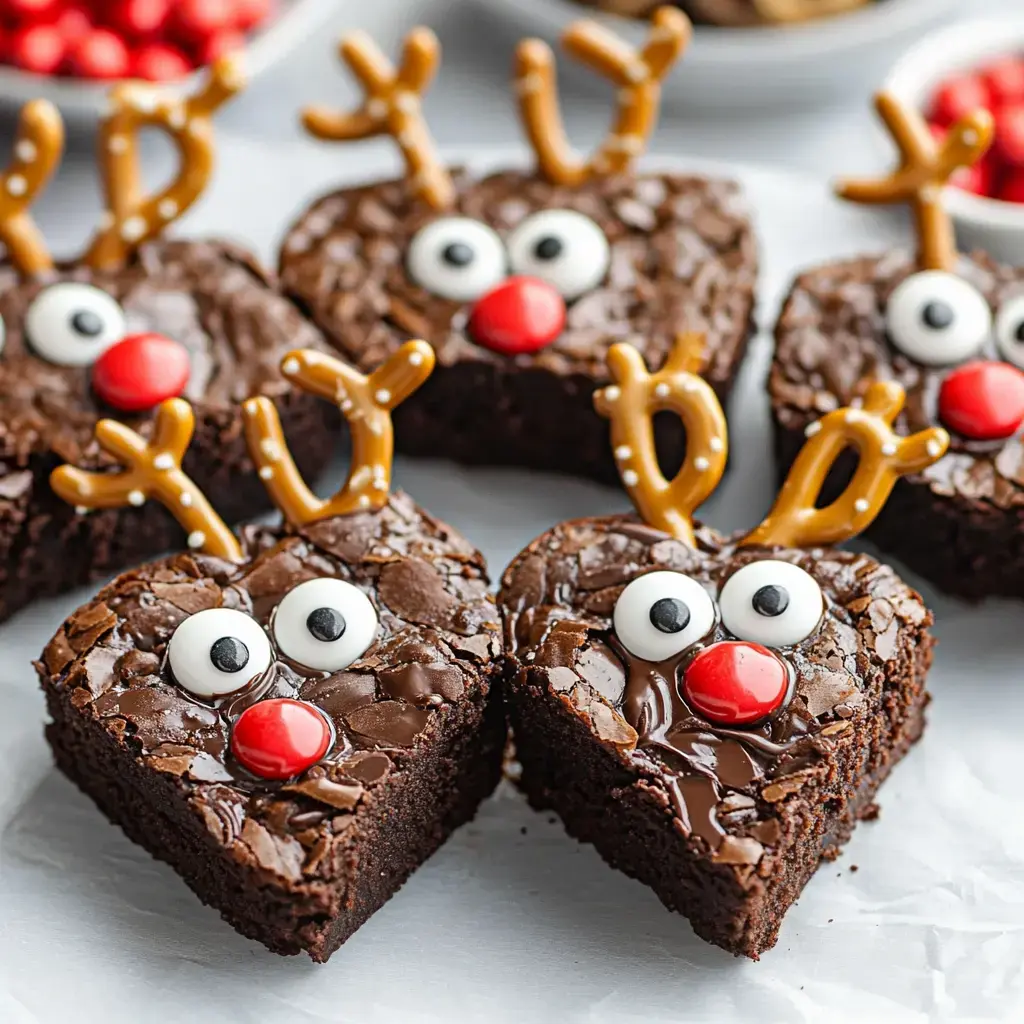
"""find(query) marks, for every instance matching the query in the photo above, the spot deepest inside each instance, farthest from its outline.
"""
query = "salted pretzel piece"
(366, 402)
(153, 471)
(637, 74)
(793, 11)
(392, 107)
(37, 151)
(884, 456)
(631, 402)
(925, 167)
(131, 217)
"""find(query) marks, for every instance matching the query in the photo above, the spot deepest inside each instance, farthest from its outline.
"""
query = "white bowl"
(988, 224)
(82, 100)
(756, 68)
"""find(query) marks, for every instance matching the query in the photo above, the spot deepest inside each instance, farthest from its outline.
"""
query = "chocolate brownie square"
(414, 727)
(521, 280)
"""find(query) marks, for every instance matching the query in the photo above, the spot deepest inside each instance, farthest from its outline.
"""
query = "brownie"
(723, 13)
(725, 824)
(209, 297)
(682, 256)
(416, 723)
(959, 523)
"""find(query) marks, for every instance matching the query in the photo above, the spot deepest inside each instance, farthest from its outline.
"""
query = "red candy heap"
(999, 88)
(158, 40)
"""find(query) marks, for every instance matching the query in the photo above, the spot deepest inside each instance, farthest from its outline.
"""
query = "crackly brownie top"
(832, 340)
(210, 297)
(558, 599)
(681, 254)
(436, 637)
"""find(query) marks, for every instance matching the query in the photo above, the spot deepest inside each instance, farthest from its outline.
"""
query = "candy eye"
(325, 624)
(1010, 331)
(661, 614)
(217, 652)
(937, 318)
(456, 258)
(72, 324)
(562, 247)
(772, 603)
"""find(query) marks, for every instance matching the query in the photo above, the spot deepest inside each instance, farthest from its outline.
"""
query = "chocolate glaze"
(557, 599)
(434, 647)
(211, 297)
(830, 343)
(683, 256)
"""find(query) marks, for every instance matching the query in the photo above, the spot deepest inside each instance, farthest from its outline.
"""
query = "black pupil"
(86, 322)
(937, 315)
(458, 254)
(548, 248)
(670, 615)
(325, 624)
(1019, 333)
(770, 600)
(229, 654)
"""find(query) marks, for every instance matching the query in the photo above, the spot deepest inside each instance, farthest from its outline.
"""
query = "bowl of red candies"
(969, 66)
(71, 50)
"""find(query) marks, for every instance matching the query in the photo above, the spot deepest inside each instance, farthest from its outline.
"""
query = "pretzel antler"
(884, 457)
(926, 164)
(131, 218)
(37, 151)
(366, 402)
(631, 402)
(392, 107)
(154, 471)
(636, 73)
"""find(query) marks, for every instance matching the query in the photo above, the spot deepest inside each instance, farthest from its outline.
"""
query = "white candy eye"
(72, 324)
(457, 258)
(937, 318)
(1010, 331)
(218, 651)
(772, 603)
(661, 614)
(563, 248)
(325, 624)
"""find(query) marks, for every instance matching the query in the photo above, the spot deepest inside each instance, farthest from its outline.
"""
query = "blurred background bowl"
(81, 100)
(989, 224)
(799, 66)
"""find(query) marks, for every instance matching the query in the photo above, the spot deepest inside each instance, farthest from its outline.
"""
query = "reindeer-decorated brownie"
(947, 326)
(296, 717)
(522, 279)
(135, 320)
(716, 713)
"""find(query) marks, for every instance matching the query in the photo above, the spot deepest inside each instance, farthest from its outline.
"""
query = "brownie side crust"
(418, 720)
(214, 300)
(727, 828)
(683, 257)
(960, 523)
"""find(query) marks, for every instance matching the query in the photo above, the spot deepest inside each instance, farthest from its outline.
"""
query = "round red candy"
(280, 738)
(38, 48)
(158, 62)
(523, 314)
(959, 96)
(140, 372)
(100, 54)
(736, 682)
(140, 19)
(983, 401)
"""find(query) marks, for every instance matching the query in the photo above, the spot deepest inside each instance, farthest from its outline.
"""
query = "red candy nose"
(279, 738)
(983, 401)
(140, 371)
(736, 683)
(523, 314)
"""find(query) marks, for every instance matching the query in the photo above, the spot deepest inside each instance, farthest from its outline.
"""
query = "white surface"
(83, 100)
(735, 68)
(981, 222)
(511, 926)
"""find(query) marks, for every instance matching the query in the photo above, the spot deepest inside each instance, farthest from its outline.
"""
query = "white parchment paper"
(921, 919)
